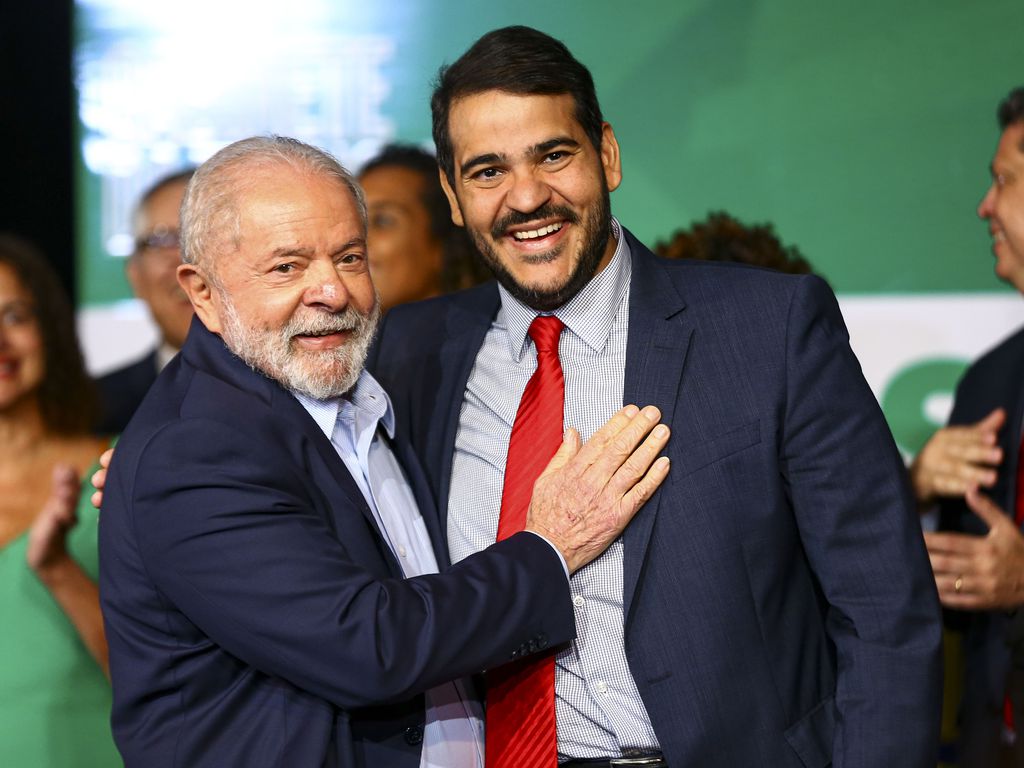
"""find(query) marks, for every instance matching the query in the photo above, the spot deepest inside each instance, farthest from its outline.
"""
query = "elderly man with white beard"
(269, 550)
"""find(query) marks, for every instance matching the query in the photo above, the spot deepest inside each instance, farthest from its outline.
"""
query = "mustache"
(322, 323)
(516, 218)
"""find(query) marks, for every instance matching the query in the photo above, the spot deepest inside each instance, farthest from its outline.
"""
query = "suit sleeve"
(854, 511)
(230, 536)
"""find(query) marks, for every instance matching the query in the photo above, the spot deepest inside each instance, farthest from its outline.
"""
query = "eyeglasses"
(160, 239)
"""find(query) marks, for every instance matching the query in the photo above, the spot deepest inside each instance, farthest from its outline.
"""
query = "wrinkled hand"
(99, 477)
(586, 495)
(46, 549)
(955, 458)
(989, 569)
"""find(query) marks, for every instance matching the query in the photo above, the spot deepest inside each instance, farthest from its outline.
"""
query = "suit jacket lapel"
(658, 340)
(331, 477)
(466, 326)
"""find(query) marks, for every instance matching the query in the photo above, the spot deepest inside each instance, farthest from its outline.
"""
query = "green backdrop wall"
(861, 130)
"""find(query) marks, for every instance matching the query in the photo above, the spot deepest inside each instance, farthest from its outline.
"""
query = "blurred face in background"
(151, 269)
(22, 361)
(1003, 206)
(405, 257)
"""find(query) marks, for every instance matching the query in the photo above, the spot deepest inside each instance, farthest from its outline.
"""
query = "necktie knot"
(545, 331)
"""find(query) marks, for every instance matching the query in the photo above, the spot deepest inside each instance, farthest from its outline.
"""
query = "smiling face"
(532, 191)
(22, 358)
(405, 256)
(294, 300)
(1003, 206)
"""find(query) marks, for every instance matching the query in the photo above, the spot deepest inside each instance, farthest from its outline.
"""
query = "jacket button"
(414, 735)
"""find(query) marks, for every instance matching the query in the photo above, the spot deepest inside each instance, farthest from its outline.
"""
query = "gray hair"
(210, 210)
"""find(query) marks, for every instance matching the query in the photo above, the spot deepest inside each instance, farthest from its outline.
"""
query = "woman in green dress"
(54, 694)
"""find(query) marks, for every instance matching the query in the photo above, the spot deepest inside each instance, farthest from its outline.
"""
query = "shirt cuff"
(557, 552)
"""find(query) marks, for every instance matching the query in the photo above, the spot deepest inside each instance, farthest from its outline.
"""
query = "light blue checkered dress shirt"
(599, 709)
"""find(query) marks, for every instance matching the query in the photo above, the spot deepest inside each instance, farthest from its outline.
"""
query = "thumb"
(570, 447)
(985, 508)
(994, 421)
(106, 457)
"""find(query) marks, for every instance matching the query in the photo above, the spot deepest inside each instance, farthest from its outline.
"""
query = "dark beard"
(597, 229)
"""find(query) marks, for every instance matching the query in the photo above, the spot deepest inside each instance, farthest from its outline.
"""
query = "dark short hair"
(721, 237)
(460, 268)
(1011, 109)
(516, 60)
(67, 396)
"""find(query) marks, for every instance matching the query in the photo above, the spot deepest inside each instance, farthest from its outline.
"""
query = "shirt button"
(402, 551)
(602, 687)
(578, 601)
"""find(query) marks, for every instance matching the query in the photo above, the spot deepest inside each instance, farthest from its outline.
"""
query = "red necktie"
(521, 695)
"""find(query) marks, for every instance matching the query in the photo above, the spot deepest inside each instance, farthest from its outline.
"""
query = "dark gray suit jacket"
(779, 604)
(996, 380)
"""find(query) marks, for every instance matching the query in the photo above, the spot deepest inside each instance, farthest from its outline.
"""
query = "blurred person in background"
(416, 252)
(151, 272)
(54, 696)
(720, 237)
(978, 559)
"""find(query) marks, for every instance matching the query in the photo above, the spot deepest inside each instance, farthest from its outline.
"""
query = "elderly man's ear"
(205, 300)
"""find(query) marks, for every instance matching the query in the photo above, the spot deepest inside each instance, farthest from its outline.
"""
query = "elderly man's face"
(1003, 206)
(295, 299)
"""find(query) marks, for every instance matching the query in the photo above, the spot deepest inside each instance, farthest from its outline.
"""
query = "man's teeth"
(998, 237)
(532, 234)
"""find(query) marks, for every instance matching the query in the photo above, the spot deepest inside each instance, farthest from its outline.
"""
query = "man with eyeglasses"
(151, 270)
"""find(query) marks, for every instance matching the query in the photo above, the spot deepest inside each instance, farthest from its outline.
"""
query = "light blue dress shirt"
(454, 722)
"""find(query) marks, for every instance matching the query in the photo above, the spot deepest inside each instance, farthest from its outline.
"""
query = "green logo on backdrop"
(917, 399)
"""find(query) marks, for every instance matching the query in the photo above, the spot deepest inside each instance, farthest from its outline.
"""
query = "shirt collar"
(366, 396)
(589, 314)
(164, 354)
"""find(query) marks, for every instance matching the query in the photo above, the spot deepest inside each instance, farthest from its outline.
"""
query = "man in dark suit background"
(979, 561)
(151, 271)
(772, 604)
(258, 526)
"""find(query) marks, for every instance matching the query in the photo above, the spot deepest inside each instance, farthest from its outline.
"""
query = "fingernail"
(660, 431)
(651, 413)
(631, 410)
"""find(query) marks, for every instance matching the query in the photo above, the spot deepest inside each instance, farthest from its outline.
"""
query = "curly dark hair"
(722, 238)
(67, 396)
(461, 267)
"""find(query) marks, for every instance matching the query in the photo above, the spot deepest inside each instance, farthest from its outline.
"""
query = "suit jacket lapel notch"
(206, 351)
(466, 328)
(658, 340)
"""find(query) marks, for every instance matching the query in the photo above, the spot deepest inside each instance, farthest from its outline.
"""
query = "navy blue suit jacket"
(779, 605)
(255, 616)
(121, 391)
(995, 380)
